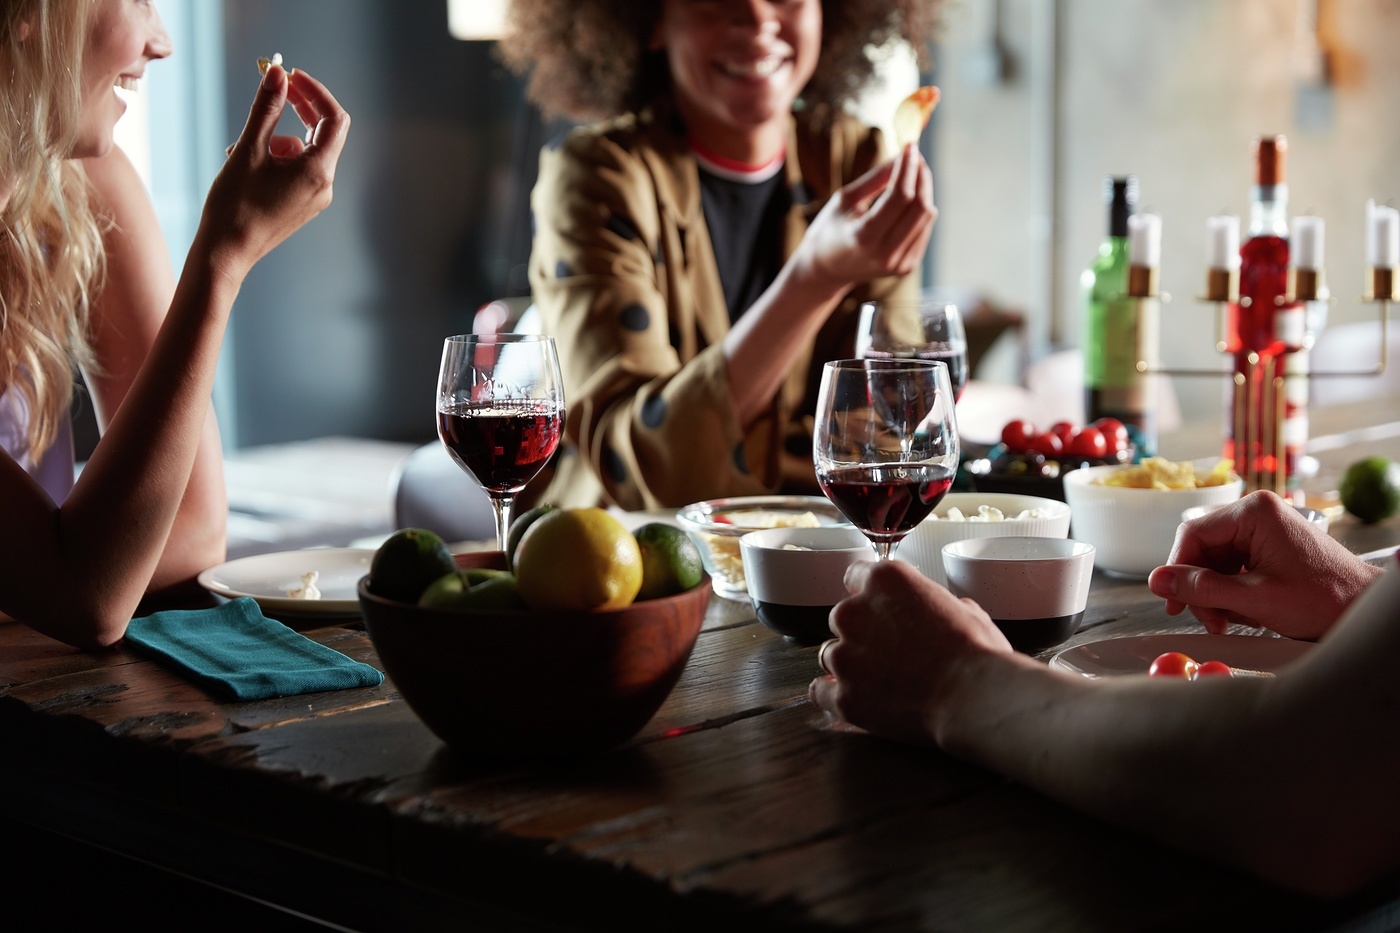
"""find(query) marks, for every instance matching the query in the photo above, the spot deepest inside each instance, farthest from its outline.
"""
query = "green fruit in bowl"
(670, 560)
(407, 562)
(473, 590)
(520, 526)
(1370, 489)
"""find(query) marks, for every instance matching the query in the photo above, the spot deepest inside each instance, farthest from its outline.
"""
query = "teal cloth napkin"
(237, 651)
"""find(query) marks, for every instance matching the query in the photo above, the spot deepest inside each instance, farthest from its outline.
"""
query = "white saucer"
(268, 578)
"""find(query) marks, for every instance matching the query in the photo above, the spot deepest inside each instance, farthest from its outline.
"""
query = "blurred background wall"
(339, 331)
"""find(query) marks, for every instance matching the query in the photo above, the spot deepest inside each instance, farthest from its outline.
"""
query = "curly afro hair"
(588, 59)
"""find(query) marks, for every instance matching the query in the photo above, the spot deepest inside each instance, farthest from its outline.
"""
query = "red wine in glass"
(503, 445)
(886, 501)
(500, 409)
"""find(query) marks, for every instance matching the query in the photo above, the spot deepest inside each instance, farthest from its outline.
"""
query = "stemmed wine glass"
(923, 329)
(500, 411)
(885, 443)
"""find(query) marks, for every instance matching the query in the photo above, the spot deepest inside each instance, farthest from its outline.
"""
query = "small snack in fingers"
(912, 114)
(266, 63)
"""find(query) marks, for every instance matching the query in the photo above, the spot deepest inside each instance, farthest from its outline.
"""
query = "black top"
(746, 232)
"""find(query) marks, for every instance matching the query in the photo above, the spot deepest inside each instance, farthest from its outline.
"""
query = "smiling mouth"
(126, 82)
(764, 67)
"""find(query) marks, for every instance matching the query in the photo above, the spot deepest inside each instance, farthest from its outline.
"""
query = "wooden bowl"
(534, 684)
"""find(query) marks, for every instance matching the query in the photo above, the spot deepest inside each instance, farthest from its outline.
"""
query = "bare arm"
(78, 572)
(138, 290)
(876, 226)
(1291, 778)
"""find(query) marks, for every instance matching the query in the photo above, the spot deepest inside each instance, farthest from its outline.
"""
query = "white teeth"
(126, 83)
(761, 68)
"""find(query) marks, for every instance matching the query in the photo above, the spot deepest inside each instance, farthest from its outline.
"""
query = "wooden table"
(737, 805)
(129, 793)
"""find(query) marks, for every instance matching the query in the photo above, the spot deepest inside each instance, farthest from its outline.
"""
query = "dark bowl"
(534, 684)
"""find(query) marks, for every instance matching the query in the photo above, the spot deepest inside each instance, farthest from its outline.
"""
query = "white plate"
(269, 577)
(1135, 653)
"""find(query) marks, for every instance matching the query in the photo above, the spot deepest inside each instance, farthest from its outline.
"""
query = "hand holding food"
(913, 113)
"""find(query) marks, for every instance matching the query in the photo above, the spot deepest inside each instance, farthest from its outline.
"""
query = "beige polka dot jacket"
(624, 277)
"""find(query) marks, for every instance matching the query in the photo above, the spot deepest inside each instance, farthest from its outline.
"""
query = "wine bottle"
(1113, 386)
(1262, 329)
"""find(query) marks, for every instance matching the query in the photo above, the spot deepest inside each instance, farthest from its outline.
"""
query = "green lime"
(407, 563)
(476, 590)
(520, 526)
(670, 560)
(1370, 489)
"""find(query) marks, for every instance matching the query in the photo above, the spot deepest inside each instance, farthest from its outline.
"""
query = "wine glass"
(886, 443)
(500, 411)
(923, 329)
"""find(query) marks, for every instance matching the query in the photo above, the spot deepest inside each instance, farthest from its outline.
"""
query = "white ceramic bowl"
(1132, 530)
(1035, 589)
(923, 547)
(795, 576)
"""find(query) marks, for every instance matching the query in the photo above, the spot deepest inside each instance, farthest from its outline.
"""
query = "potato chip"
(1161, 473)
(912, 114)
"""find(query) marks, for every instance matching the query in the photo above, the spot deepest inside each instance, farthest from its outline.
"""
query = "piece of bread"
(911, 116)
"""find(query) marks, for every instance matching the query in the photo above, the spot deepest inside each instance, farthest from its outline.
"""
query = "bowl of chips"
(963, 515)
(1130, 513)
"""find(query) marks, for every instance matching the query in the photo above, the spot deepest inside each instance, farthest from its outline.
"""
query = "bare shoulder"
(118, 191)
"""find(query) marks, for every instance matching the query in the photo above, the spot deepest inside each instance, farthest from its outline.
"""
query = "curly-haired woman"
(703, 250)
(84, 280)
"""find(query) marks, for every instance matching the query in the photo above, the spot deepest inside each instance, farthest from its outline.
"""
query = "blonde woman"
(84, 281)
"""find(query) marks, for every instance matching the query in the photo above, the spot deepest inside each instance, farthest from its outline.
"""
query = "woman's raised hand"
(271, 185)
(876, 226)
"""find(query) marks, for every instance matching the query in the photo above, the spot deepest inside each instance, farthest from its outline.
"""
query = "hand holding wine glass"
(926, 329)
(886, 443)
(500, 411)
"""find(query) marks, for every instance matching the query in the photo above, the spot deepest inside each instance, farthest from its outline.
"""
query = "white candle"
(1306, 242)
(1383, 238)
(1145, 240)
(1223, 242)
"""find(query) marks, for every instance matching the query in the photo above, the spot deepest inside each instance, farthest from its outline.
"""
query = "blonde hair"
(51, 256)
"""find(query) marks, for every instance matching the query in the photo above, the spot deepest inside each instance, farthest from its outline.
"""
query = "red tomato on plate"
(1173, 664)
(1064, 431)
(1213, 669)
(1115, 433)
(1089, 442)
(1017, 435)
(1048, 444)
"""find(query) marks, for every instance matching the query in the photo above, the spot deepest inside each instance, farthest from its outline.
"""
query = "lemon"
(520, 526)
(407, 562)
(1370, 489)
(670, 560)
(578, 559)
(478, 590)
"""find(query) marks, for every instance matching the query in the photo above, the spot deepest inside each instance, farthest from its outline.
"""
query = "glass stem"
(501, 505)
(882, 549)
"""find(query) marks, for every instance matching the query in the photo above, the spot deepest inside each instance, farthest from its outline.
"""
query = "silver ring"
(821, 654)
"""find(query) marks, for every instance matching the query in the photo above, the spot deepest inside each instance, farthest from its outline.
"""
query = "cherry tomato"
(1017, 435)
(1115, 433)
(1213, 669)
(1064, 431)
(1048, 444)
(1173, 664)
(1089, 442)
